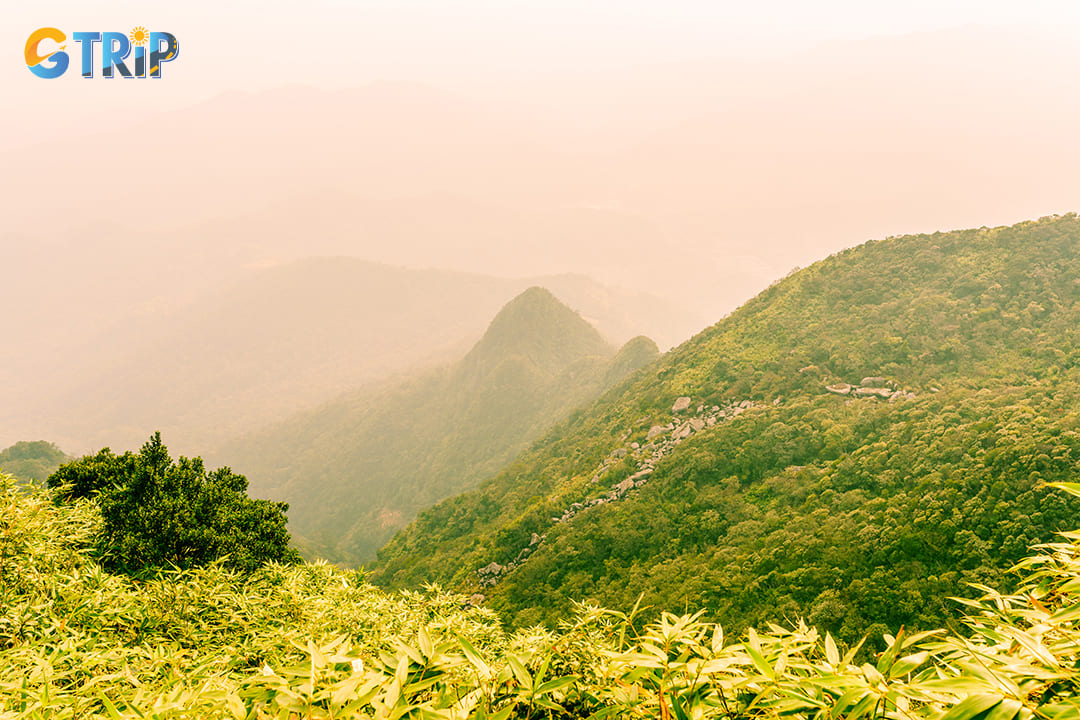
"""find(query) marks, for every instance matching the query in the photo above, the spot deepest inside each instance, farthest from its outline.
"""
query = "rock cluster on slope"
(660, 440)
(872, 387)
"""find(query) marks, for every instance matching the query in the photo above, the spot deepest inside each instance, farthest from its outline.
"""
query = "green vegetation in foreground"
(309, 641)
(157, 513)
(359, 468)
(32, 461)
(858, 513)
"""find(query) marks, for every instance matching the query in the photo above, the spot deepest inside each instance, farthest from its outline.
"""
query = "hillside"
(853, 445)
(359, 468)
(32, 461)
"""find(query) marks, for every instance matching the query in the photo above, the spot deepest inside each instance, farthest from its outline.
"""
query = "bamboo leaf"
(426, 646)
(831, 653)
(971, 706)
(522, 675)
(556, 684)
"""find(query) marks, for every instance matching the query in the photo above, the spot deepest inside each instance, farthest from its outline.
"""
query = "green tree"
(160, 513)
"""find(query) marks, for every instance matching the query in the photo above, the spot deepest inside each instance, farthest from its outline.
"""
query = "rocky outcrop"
(645, 458)
(873, 392)
(872, 387)
(654, 431)
(659, 441)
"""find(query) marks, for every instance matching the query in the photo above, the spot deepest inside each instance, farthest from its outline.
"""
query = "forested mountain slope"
(359, 468)
(33, 461)
(855, 444)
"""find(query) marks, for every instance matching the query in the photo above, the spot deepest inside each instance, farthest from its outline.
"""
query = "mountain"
(33, 461)
(359, 468)
(276, 341)
(856, 443)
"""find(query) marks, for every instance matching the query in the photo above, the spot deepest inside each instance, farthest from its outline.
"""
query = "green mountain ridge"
(32, 461)
(767, 492)
(359, 468)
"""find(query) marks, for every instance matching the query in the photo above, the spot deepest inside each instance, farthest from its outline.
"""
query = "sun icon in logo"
(139, 36)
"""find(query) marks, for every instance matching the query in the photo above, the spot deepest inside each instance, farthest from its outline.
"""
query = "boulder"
(492, 568)
(656, 430)
(873, 382)
(839, 388)
(680, 404)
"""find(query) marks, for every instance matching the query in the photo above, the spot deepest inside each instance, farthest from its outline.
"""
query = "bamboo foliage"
(311, 641)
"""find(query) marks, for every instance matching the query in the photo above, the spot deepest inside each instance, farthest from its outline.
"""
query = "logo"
(46, 54)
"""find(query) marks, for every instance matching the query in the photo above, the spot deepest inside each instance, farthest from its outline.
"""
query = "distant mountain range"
(359, 468)
(281, 339)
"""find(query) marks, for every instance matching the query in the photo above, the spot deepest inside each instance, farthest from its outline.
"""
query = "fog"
(655, 168)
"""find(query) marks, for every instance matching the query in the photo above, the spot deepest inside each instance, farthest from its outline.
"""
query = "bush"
(158, 513)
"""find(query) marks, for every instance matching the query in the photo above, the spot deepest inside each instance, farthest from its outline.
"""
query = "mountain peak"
(539, 327)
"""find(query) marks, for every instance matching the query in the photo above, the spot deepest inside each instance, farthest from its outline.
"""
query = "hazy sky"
(254, 44)
(696, 150)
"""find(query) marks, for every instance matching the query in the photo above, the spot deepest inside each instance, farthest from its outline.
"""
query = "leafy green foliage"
(158, 513)
(358, 469)
(858, 513)
(33, 461)
(315, 642)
